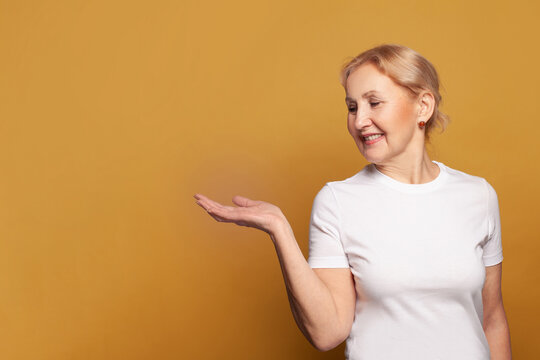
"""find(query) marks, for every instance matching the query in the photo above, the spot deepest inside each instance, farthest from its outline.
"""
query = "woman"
(405, 257)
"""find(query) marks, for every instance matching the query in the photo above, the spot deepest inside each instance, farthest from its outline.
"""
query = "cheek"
(403, 118)
(350, 125)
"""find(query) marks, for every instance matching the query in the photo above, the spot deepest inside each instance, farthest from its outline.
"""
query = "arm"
(322, 300)
(495, 322)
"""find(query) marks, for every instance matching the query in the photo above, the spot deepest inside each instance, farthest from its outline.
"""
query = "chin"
(372, 156)
(373, 159)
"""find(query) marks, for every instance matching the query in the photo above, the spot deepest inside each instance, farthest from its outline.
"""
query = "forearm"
(311, 302)
(498, 335)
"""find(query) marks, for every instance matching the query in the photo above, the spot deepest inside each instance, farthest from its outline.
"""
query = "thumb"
(244, 201)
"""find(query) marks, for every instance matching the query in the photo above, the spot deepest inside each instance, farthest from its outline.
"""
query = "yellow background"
(114, 113)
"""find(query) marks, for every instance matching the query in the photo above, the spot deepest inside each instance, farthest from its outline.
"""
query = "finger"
(228, 213)
(216, 214)
(203, 205)
(244, 201)
(218, 218)
(224, 213)
(201, 197)
(207, 203)
(217, 206)
(211, 203)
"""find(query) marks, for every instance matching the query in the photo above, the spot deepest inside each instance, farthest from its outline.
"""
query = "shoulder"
(462, 178)
(459, 175)
(471, 185)
(364, 177)
(333, 191)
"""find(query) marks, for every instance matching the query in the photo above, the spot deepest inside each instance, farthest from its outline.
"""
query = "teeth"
(372, 137)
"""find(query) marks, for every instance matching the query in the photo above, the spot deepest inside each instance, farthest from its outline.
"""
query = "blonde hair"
(406, 68)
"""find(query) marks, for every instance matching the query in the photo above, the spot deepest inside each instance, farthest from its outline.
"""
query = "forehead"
(368, 78)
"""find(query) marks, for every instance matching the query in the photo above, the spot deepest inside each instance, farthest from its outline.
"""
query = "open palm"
(251, 213)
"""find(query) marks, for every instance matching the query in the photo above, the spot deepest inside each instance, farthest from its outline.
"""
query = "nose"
(363, 118)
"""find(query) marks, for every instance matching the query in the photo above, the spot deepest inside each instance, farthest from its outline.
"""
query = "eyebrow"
(364, 95)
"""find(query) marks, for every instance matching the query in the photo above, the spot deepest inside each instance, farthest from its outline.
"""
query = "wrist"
(280, 230)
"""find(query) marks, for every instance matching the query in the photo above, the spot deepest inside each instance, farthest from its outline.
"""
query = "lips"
(364, 136)
(372, 140)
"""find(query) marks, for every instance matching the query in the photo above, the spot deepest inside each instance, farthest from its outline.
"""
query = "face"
(377, 105)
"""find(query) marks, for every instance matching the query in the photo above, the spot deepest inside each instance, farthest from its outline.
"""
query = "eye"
(374, 104)
(352, 109)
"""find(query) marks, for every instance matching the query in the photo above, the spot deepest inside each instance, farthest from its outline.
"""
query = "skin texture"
(391, 110)
(323, 301)
(495, 322)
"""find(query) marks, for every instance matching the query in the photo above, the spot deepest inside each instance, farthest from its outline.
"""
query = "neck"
(417, 169)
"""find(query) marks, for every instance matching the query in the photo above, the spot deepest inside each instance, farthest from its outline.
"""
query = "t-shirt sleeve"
(325, 246)
(493, 252)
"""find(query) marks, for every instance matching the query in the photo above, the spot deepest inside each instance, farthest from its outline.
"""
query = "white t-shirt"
(418, 254)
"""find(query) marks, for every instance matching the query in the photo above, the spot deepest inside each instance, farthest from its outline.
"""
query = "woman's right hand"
(251, 213)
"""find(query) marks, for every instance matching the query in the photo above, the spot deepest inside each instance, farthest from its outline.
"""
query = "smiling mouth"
(372, 139)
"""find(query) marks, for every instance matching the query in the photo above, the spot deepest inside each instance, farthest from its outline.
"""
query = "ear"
(426, 103)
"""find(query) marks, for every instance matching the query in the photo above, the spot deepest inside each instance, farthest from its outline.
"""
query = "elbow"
(327, 343)
(327, 346)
